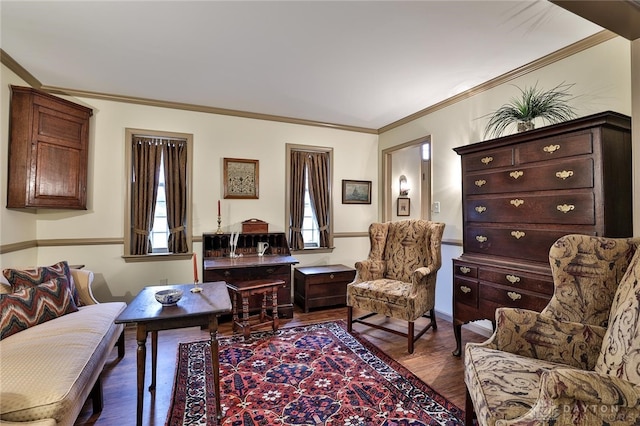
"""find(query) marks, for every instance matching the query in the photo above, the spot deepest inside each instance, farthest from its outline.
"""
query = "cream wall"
(602, 77)
(215, 137)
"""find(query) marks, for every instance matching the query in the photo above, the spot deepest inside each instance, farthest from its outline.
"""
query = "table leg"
(141, 337)
(215, 362)
(274, 313)
(154, 359)
(245, 315)
(234, 310)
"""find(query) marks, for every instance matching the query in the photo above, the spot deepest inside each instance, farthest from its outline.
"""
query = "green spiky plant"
(549, 105)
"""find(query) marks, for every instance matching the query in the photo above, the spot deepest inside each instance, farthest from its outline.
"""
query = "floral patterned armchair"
(578, 361)
(398, 279)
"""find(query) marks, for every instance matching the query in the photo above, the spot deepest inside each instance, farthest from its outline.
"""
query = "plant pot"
(524, 126)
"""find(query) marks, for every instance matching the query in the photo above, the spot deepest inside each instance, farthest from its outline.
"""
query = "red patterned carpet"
(312, 375)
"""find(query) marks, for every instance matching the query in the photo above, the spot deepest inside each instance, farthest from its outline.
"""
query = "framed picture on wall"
(240, 178)
(356, 191)
(404, 207)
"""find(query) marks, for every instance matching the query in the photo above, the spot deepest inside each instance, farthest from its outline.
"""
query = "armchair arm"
(530, 334)
(368, 270)
(83, 279)
(424, 271)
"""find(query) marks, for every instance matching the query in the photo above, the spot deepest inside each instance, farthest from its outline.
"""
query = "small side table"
(322, 286)
(245, 289)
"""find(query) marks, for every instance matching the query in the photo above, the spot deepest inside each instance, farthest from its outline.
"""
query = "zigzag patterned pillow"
(35, 305)
(21, 279)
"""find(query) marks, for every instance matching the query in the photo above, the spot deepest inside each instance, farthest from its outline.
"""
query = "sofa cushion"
(46, 371)
(35, 305)
(620, 356)
(26, 278)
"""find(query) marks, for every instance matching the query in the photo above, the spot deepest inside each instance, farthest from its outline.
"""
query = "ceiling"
(361, 64)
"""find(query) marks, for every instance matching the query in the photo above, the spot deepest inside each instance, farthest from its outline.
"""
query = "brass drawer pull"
(481, 209)
(517, 174)
(332, 276)
(481, 238)
(465, 269)
(517, 202)
(514, 296)
(486, 160)
(513, 279)
(551, 148)
(564, 174)
(517, 234)
(227, 273)
(465, 289)
(565, 208)
(270, 270)
(480, 182)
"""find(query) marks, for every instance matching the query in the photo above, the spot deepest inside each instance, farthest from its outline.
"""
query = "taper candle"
(218, 207)
(195, 268)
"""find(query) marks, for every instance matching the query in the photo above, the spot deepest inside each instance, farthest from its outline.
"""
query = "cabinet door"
(58, 170)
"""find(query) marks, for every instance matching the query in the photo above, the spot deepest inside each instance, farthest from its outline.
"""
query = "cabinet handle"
(564, 174)
(516, 174)
(465, 270)
(486, 160)
(481, 238)
(514, 296)
(551, 148)
(480, 182)
(517, 202)
(565, 208)
(332, 276)
(465, 289)
(227, 273)
(517, 234)
(513, 279)
(481, 209)
(269, 270)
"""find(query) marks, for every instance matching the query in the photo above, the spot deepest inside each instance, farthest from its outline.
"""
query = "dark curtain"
(297, 199)
(175, 181)
(146, 157)
(318, 173)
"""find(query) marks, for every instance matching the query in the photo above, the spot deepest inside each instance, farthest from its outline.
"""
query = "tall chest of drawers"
(520, 193)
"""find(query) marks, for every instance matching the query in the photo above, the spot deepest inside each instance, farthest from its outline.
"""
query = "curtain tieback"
(177, 229)
(141, 232)
(323, 228)
(295, 229)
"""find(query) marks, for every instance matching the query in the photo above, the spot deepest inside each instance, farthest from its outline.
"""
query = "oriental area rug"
(309, 375)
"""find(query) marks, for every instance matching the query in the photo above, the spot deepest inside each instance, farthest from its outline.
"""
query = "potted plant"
(549, 105)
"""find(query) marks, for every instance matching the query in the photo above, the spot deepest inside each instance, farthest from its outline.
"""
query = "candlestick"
(195, 288)
(219, 231)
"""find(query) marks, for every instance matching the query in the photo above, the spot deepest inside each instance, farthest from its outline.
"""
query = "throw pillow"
(21, 279)
(35, 305)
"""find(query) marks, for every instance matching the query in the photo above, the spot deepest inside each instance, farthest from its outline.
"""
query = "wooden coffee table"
(194, 309)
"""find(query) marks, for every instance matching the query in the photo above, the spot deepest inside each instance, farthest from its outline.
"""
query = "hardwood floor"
(431, 361)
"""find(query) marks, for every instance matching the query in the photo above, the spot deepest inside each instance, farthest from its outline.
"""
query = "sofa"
(52, 365)
(577, 361)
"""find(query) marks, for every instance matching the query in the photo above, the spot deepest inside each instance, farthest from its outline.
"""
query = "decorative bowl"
(168, 297)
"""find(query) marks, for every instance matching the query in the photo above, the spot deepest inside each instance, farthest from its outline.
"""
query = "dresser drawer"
(465, 270)
(517, 280)
(567, 174)
(555, 147)
(488, 160)
(492, 297)
(465, 291)
(570, 207)
(516, 242)
(248, 274)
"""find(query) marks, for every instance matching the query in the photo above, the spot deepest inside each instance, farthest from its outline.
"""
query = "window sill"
(313, 250)
(156, 257)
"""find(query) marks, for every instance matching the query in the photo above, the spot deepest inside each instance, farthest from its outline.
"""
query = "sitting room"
(318, 212)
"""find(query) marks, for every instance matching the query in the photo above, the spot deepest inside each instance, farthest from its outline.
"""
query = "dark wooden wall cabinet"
(48, 151)
(275, 264)
(321, 286)
(522, 192)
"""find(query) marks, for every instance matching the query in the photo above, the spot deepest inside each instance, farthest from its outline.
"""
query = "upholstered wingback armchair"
(398, 279)
(578, 361)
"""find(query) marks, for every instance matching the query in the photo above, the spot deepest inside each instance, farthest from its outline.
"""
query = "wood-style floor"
(431, 361)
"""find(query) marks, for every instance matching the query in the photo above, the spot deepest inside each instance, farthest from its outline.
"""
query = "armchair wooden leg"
(410, 336)
(468, 410)
(349, 318)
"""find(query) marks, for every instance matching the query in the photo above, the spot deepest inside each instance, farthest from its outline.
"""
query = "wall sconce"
(404, 186)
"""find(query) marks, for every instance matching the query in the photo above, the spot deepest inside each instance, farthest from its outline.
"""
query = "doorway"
(410, 161)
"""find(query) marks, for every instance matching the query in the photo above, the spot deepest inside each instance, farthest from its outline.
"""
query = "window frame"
(127, 256)
(296, 147)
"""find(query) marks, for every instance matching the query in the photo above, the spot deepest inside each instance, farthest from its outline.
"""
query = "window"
(309, 177)
(158, 212)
